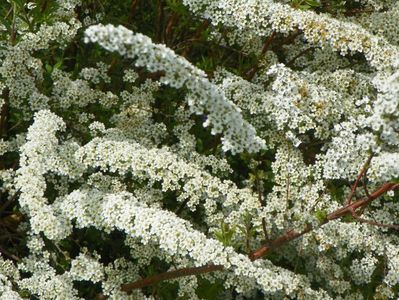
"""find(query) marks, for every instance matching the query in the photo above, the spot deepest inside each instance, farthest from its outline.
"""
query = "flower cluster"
(203, 97)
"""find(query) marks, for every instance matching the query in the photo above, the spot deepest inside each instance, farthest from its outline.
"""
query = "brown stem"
(389, 186)
(259, 190)
(355, 12)
(44, 6)
(366, 190)
(132, 10)
(374, 223)
(181, 206)
(9, 254)
(159, 21)
(251, 73)
(4, 113)
(248, 238)
(287, 40)
(8, 13)
(7, 203)
(196, 37)
(291, 62)
(100, 296)
(361, 174)
(281, 240)
(170, 275)
(288, 236)
(170, 24)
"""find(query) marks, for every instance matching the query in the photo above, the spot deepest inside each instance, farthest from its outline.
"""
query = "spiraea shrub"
(199, 149)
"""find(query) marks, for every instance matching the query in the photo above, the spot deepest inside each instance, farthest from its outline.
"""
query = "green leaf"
(312, 3)
(48, 68)
(58, 65)
(321, 215)
(225, 234)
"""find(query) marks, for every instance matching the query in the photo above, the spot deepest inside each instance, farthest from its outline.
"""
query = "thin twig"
(8, 13)
(100, 296)
(287, 40)
(196, 37)
(4, 113)
(44, 6)
(247, 238)
(170, 275)
(291, 62)
(281, 240)
(132, 10)
(287, 192)
(251, 73)
(13, 34)
(359, 177)
(260, 191)
(9, 254)
(366, 190)
(7, 203)
(181, 206)
(374, 223)
(170, 24)
(159, 21)
(353, 12)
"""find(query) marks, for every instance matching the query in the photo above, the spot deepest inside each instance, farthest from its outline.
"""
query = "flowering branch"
(348, 209)
(281, 240)
(203, 96)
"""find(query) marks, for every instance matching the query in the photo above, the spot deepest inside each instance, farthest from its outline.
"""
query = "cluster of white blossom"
(160, 165)
(8, 275)
(85, 267)
(22, 73)
(96, 75)
(293, 104)
(38, 156)
(385, 167)
(45, 282)
(362, 269)
(383, 23)
(78, 92)
(386, 110)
